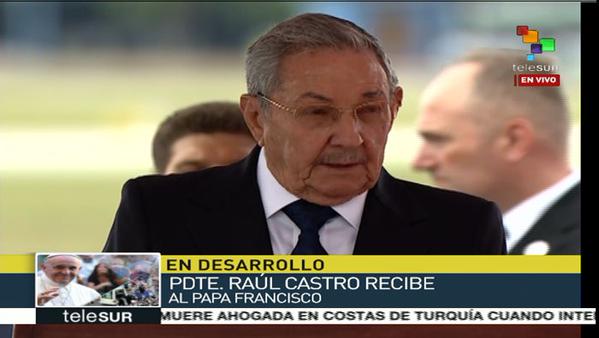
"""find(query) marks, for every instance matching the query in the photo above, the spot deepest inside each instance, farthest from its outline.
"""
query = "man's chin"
(62, 282)
(341, 169)
(333, 193)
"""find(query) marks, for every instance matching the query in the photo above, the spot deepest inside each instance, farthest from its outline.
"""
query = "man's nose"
(347, 131)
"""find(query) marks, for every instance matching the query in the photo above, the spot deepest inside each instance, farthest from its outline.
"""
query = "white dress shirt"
(520, 219)
(337, 236)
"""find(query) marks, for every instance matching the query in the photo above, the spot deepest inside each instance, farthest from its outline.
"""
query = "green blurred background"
(84, 85)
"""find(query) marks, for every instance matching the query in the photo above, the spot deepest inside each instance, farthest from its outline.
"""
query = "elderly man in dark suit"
(321, 100)
(505, 143)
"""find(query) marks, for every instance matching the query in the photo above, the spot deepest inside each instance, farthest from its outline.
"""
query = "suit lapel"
(233, 209)
(228, 217)
(389, 221)
(556, 223)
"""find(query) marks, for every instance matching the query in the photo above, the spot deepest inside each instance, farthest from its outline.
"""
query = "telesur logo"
(537, 46)
(541, 73)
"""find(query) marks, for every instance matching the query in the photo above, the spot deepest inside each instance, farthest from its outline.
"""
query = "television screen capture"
(308, 169)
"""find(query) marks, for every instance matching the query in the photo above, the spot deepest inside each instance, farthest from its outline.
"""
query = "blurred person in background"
(103, 278)
(117, 264)
(57, 285)
(201, 136)
(322, 97)
(487, 137)
(88, 263)
(141, 271)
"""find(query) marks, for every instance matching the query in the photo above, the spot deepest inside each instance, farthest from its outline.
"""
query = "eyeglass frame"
(294, 111)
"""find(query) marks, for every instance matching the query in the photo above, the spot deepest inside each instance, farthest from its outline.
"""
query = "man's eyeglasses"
(316, 115)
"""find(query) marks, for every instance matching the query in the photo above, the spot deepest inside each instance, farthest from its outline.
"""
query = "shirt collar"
(275, 197)
(521, 218)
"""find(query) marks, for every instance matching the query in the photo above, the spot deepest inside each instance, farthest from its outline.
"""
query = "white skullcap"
(63, 254)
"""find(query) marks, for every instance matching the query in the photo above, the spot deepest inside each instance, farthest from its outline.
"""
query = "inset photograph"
(97, 279)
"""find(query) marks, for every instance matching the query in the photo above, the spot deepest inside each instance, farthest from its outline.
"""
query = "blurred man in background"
(57, 285)
(486, 137)
(201, 136)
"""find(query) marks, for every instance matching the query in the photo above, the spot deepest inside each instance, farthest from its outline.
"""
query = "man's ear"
(250, 108)
(517, 139)
(396, 101)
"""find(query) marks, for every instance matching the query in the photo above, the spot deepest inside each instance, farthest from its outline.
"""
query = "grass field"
(74, 128)
(57, 213)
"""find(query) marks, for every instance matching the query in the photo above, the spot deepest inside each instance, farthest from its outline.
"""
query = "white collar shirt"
(520, 219)
(337, 236)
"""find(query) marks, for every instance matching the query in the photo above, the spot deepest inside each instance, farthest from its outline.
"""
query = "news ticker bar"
(343, 290)
(309, 316)
(370, 290)
(342, 264)
(329, 289)
(371, 264)
(343, 281)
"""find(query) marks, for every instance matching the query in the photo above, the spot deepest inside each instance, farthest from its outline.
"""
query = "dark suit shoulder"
(453, 222)
(205, 176)
(424, 194)
(559, 227)
(190, 213)
(206, 181)
(444, 194)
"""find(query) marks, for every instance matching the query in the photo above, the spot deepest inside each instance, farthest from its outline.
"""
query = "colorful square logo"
(531, 37)
(521, 30)
(548, 44)
(537, 45)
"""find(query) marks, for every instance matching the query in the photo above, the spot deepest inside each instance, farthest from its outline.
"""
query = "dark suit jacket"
(559, 227)
(219, 211)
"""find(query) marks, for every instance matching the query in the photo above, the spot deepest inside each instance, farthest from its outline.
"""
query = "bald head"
(445, 86)
(450, 96)
(481, 132)
(496, 99)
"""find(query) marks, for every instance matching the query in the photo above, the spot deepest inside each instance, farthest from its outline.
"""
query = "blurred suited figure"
(322, 97)
(201, 136)
(484, 136)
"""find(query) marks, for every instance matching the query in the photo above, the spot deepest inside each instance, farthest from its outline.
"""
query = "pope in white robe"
(57, 285)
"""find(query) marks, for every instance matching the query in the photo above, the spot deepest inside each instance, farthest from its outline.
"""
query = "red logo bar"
(537, 80)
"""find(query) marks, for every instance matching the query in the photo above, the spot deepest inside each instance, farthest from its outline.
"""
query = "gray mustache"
(344, 157)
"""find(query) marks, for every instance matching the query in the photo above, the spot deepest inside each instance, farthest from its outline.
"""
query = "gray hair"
(305, 32)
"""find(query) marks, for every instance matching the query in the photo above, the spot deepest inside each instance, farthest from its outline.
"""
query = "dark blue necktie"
(309, 217)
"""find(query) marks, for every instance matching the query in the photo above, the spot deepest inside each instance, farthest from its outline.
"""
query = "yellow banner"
(343, 264)
(371, 264)
(17, 263)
